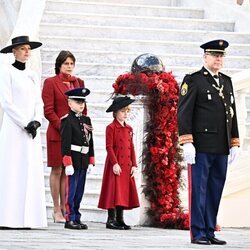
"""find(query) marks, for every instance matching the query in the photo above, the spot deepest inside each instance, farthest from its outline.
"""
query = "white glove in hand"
(69, 170)
(189, 153)
(233, 154)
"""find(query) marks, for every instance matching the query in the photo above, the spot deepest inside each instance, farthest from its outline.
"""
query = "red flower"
(154, 150)
(161, 155)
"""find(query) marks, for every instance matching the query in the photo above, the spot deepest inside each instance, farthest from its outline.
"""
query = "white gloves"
(69, 170)
(189, 153)
(233, 154)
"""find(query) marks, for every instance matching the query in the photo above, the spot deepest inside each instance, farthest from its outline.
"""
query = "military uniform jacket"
(73, 133)
(207, 114)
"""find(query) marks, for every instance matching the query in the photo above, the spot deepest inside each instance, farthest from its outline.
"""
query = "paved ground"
(98, 237)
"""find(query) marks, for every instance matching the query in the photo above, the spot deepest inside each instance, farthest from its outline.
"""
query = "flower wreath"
(161, 154)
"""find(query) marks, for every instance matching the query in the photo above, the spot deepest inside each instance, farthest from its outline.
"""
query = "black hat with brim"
(119, 103)
(20, 40)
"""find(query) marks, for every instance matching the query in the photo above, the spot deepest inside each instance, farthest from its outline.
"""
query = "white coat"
(22, 192)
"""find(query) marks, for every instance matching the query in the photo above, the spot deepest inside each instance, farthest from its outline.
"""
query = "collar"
(210, 72)
(19, 65)
(118, 124)
(66, 78)
(76, 114)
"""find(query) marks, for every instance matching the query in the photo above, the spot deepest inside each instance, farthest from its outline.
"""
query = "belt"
(80, 149)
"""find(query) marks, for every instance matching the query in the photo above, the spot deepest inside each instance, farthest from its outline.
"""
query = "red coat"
(119, 190)
(56, 106)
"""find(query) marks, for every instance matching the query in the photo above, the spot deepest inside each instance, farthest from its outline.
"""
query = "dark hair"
(61, 58)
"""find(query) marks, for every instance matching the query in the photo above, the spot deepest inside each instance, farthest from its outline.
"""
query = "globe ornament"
(147, 63)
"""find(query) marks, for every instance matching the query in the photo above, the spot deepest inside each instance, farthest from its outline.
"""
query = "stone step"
(92, 213)
(100, 123)
(89, 213)
(138, 21)
(110, 57)
(90, 198)
(238, 176)
(93, 181)
(143, 2)
(123, 9)
(248, 115)
(133, 32)
(102, 69)
(46, 179)
(123, 45)
(246, 143)
(248, 102)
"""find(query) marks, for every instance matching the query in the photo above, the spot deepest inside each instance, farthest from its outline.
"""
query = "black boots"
(111, 222)
(120, 220)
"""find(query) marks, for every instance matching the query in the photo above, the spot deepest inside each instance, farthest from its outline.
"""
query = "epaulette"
(194, 72)
(225, 75)
(187, 78)
(188, 75)
(63, 117)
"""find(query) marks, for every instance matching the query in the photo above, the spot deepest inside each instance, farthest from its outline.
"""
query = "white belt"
(81, 149)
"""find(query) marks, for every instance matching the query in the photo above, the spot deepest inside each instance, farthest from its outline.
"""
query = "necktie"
(216, 78)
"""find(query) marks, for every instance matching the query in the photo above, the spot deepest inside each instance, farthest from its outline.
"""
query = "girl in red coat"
(118, 185)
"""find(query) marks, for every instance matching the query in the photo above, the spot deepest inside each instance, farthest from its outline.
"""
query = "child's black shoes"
(112, 224)
(72, 225)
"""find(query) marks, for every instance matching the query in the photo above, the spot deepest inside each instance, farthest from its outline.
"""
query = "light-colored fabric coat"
(22, 192)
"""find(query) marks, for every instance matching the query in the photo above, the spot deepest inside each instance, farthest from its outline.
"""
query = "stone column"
(137, 119)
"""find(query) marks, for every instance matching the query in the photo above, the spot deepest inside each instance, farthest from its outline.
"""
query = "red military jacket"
(119, 190)
(55, 107)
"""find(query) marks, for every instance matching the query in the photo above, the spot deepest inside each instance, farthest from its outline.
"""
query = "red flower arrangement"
(161, 154)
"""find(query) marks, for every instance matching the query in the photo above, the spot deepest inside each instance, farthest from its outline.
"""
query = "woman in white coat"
(22, 193)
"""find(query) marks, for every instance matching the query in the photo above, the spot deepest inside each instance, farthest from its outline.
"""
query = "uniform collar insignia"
(78, 115)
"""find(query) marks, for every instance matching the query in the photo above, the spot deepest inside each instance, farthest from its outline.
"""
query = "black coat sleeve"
(186, 106)
(66, 134)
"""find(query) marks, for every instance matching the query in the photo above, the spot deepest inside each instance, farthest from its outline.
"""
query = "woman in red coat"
(56, 106)
(118, 186)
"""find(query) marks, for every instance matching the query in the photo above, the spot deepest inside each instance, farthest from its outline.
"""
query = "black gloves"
(32, 127)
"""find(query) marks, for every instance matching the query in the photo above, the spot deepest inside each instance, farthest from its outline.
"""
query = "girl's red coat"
(119, 190)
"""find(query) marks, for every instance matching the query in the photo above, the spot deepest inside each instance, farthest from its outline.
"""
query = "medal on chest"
(220, 90)
(231, 98)
(231, 111)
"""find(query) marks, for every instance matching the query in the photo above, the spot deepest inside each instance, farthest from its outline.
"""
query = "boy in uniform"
(78, 153)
